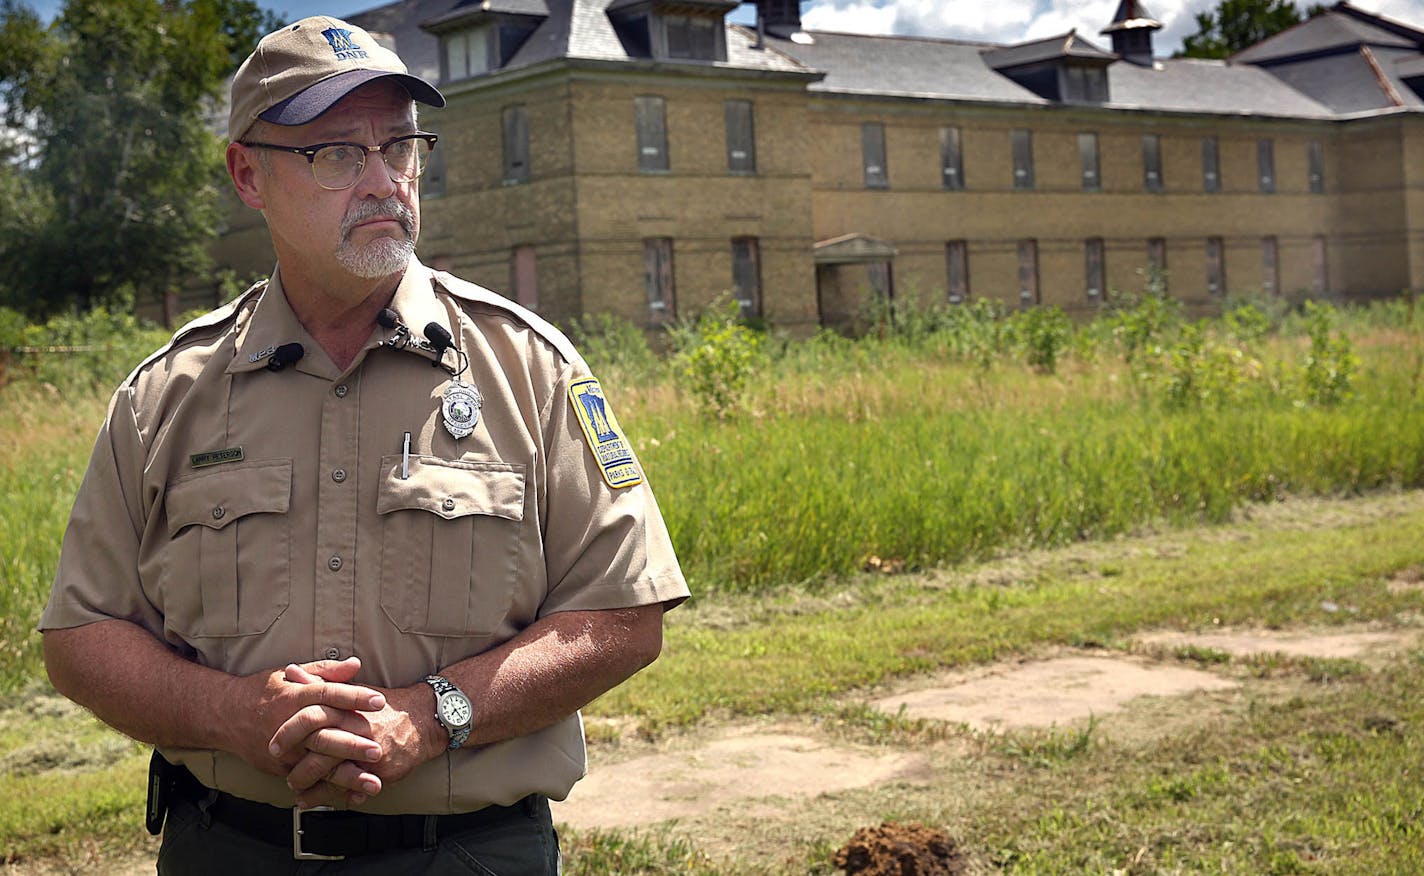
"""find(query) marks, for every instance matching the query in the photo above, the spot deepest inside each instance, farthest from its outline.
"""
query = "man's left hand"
(330, 748)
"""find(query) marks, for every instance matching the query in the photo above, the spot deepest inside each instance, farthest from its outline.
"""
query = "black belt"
(323, 833)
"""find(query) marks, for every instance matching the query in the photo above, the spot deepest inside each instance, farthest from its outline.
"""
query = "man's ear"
(247, 176)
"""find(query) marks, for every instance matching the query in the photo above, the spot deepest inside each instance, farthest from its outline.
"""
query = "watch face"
(455, 710)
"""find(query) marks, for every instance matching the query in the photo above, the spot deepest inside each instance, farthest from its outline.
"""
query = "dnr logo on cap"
(342, 45)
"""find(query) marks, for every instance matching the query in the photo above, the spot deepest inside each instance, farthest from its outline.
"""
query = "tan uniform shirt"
(250, 518)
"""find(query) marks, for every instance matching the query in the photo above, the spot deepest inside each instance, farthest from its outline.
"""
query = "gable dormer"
(672, 30)
(480, 37)
(1064, 68)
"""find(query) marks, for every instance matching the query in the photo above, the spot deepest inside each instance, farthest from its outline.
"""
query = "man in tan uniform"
(353, 550)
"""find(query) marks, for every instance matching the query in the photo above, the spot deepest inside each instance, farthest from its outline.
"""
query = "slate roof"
(1337, 78)
(1331, 31)
(1066, 45)
(572, 29)
(920, 67)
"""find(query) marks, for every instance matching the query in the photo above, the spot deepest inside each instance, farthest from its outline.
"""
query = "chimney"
(1131, 32)
(780, 18)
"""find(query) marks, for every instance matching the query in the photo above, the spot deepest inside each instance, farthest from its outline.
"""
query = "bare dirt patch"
(739, 766)
(1043, 693)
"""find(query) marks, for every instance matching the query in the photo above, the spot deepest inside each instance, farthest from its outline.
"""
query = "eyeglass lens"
(339, 166)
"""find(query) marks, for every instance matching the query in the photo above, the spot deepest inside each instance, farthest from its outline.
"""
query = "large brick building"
(642, 157)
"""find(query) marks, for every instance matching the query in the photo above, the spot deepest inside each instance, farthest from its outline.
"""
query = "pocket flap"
(215, 499)
(452, 488)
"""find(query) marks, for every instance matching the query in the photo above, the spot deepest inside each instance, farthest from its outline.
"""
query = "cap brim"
(306, 105)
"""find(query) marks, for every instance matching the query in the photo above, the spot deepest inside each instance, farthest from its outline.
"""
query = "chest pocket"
(227, 566)
(450, 544)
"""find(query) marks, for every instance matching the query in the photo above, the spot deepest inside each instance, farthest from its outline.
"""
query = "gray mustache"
(370, 209)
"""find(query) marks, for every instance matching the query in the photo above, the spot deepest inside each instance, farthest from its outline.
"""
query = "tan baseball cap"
(295, 74)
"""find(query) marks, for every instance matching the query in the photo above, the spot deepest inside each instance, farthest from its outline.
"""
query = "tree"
(1236, 24)
(121, 180)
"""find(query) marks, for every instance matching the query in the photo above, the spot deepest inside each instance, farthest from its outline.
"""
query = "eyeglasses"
(337, 166)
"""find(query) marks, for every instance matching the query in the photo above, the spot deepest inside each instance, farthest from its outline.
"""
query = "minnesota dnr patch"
(609, 446)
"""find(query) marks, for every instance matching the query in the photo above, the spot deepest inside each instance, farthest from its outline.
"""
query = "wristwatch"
(452, 710)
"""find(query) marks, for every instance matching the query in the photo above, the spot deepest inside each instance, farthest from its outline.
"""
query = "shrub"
(714, 357)
(1042, 333)
(1330, 367)
(611, 343)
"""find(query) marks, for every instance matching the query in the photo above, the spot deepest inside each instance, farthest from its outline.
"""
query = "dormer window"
(1064, 68)
(468, 52)
(672, 30)
(692, 38)
(482, 38)
(1084, 84)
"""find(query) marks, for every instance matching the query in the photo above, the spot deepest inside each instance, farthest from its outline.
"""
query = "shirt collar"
(273, 323)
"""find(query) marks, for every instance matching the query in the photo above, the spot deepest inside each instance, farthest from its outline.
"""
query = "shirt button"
(339, 475)
(340, 390)
(332, 654)
(218, 512)
(334, 564)
(448, 504)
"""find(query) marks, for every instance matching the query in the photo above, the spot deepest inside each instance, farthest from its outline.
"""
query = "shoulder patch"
(605, 439)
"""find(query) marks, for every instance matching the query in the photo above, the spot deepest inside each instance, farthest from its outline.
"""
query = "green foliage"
(122, 191)
(1043, 333)
(1331, 365)
(612, 345)
(714, 358)
(1141, 324)
(90, 350)
(1200, 369)
(1236, 24)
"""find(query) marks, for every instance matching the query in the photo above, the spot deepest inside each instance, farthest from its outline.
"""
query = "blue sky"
(996, 21)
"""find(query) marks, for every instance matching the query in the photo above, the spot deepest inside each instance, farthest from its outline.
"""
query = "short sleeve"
(98, 576)
(606, 546)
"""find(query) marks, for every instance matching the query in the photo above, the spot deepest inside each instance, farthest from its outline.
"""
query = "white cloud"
(1009, 21)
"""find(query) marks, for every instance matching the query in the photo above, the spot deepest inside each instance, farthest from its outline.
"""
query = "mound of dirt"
(900, 850)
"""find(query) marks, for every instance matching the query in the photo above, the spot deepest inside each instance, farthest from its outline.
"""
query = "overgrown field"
(940, 436)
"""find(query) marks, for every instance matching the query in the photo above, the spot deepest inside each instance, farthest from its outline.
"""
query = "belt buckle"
(297, 852)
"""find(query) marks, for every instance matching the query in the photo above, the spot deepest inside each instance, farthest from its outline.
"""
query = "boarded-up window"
(746, 275)
(1084, 84)
(881, 279)
(1157, 264)
(741, 137)
(651, 117)
(526, 277)
(1266, 164)
(432, 181)
(1095, 274)
(1028, 272)
(956, 255)
(1088, 160)
(657, 276)
(872, 150)
(951, 159)
(1022, 144)
(516, 144)
(1152, 162)
(1315, 161)
(1211, 165)
(1270, 267)
(1215, 266)
(1321, 284)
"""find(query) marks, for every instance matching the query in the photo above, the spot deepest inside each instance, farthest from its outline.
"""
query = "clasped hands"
(350, 742)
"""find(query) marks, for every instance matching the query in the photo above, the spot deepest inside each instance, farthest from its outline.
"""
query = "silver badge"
(460, 404)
